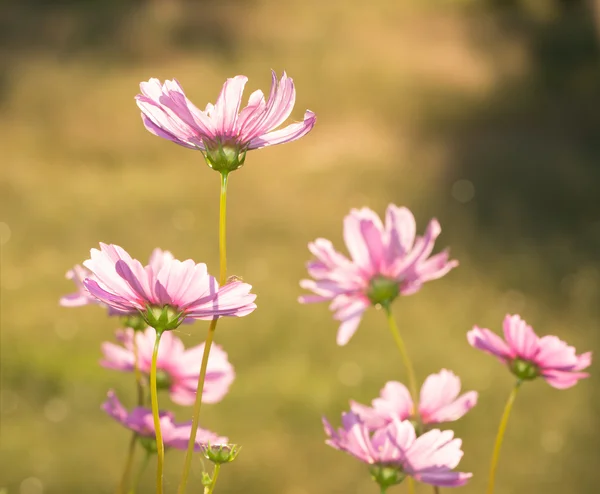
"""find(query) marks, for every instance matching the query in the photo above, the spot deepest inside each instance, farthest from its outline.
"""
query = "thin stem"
(211, 333)
(500, 436)
(436, 489)
(160, 447)
(141, 470)
(411, 485)
(412, 380)
(223, 230)
(211, 487)
(140, 401)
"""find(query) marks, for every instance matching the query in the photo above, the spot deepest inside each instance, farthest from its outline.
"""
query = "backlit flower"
(175, 435)
(223, 132)
(386, 260)
(177, 368)
(439, 402)
(394, 451)
(165, 292)
(529, 356)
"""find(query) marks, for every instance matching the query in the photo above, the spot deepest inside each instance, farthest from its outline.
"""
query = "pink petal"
(484, 339)
(401, 228)
(563, 379)
(290, 133)
(228, 105)
(520, 337)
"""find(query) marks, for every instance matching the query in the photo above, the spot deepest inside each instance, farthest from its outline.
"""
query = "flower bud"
(221, 453)
(149, 444)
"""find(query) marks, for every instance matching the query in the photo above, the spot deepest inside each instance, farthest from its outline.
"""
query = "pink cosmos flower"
(222, 127)
(529, 356)
(177, 368)
(175, 435)
(166, 291)
(429, 458)
(439, 402)
(387, 260)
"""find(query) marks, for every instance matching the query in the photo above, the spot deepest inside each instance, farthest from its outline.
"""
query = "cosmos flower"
(386, 260)
(394, 451)
(439, 402)
(165, 292)
(529, 356)
(177, 368)
(175, 435)
(222, 132)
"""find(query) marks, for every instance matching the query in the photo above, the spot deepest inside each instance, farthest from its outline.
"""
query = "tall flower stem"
(500, 436)
(141, 470)
(412, 380)
(436, 489)
(140, 402)
(223, 229)
(211, 333)
(160, 447)
(211, 487)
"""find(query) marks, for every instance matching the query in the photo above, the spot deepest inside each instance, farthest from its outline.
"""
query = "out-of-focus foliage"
(484, 115)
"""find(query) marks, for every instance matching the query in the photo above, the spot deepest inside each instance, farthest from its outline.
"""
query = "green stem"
(160, 447)
(407, 363)
(211, 487)
(411, 485)
(500, 436)
(223, 230)
(140, 401)
(209, 339)
(141, 470)
(436, 489)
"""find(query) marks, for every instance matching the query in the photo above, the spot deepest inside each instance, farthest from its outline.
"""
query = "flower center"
(386, 475)
(382, 290)
(162, 318)
(224, 157)
(524, 369)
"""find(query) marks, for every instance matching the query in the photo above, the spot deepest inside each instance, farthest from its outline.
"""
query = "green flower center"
(382, 290)
(224, 157)
(162, 318)
(386, 475)
(524, 370)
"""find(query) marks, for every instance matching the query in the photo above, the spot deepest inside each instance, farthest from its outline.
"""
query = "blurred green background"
(481, 113)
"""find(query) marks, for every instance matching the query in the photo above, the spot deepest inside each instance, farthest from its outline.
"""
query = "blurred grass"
(410, 99)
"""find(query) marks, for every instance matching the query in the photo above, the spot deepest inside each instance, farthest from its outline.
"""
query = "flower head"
(529, 356)
(222, 132)
(395, 451)
(439, 402)
(177, 368)
(386, 260)
(175, 435)
(166, 291)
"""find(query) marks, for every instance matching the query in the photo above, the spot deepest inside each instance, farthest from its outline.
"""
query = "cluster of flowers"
(396, 436)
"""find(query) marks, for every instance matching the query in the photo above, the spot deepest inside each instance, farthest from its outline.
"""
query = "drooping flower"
(177, 368)
(394, 451)
(166, 291)
(386, 261)
(175, 435)
(439, 402)
(222, 132)
(529, 356)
